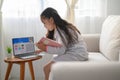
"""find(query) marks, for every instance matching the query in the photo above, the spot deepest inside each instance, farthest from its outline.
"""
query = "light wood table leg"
(22, 70)
(8, 71)
(31, 70)
(21, 62)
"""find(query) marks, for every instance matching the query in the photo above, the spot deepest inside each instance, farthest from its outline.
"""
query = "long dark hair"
(61, 26)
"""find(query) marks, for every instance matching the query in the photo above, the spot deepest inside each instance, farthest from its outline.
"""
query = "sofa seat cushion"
(96, 56)
(85, 71)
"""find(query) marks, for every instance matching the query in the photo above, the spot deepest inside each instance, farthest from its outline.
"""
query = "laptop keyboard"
(31, 56)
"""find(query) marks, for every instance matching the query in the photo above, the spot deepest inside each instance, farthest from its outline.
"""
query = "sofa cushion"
(85, 71)
(110, 38)
(97, 57)
(92, 41)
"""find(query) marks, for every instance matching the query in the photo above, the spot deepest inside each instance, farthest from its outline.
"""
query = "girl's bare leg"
(47, 69)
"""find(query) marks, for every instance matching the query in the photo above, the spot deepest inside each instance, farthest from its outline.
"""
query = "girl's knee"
(48, 67)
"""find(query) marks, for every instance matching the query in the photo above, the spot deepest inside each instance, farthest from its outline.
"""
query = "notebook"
(23, 47)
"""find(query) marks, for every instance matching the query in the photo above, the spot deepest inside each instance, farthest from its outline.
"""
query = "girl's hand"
(38, 51)
(41, 46)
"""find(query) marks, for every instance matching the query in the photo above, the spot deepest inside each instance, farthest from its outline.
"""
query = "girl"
(73, 47)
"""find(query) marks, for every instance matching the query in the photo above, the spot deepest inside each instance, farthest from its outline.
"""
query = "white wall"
(113, 7)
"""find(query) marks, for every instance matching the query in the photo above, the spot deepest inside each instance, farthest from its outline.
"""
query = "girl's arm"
(50, 49)
(38, 51)
(49, 42)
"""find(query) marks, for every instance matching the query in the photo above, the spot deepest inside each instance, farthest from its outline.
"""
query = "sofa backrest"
(110, 37)
(92, 41)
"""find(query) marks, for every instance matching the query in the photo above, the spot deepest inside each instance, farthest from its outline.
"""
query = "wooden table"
(21, 62)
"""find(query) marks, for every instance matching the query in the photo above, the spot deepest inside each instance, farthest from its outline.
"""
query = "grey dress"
(76, 52)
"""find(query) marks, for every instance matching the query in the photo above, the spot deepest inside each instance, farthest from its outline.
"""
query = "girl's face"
(48, 23)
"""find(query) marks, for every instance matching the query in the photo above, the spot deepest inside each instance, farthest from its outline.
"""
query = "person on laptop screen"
(67, 41)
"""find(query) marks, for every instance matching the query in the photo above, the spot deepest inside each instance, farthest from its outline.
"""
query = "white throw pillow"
(110, 38)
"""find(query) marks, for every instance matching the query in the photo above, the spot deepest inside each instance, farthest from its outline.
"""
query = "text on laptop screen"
(23, 45)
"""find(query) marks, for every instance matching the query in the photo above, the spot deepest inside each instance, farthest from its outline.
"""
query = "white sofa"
(103, 63)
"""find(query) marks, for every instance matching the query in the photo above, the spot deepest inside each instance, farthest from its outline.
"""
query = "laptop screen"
(23, 45)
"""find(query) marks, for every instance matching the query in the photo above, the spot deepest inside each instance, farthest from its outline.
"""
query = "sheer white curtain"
(70, 10)
(87, 15)
(59, 5)
(20, 18)
(90, 14)
(0, 40)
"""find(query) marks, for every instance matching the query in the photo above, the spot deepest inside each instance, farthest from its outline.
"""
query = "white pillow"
(110, 38)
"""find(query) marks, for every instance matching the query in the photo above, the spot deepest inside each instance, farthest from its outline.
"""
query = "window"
(59, 5)
(88, 8)
(21, 8)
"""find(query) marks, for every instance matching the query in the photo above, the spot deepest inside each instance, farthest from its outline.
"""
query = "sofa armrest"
(85, 71)
(92, 41)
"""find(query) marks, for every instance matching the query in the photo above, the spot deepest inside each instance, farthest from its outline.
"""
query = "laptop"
(23, 47)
